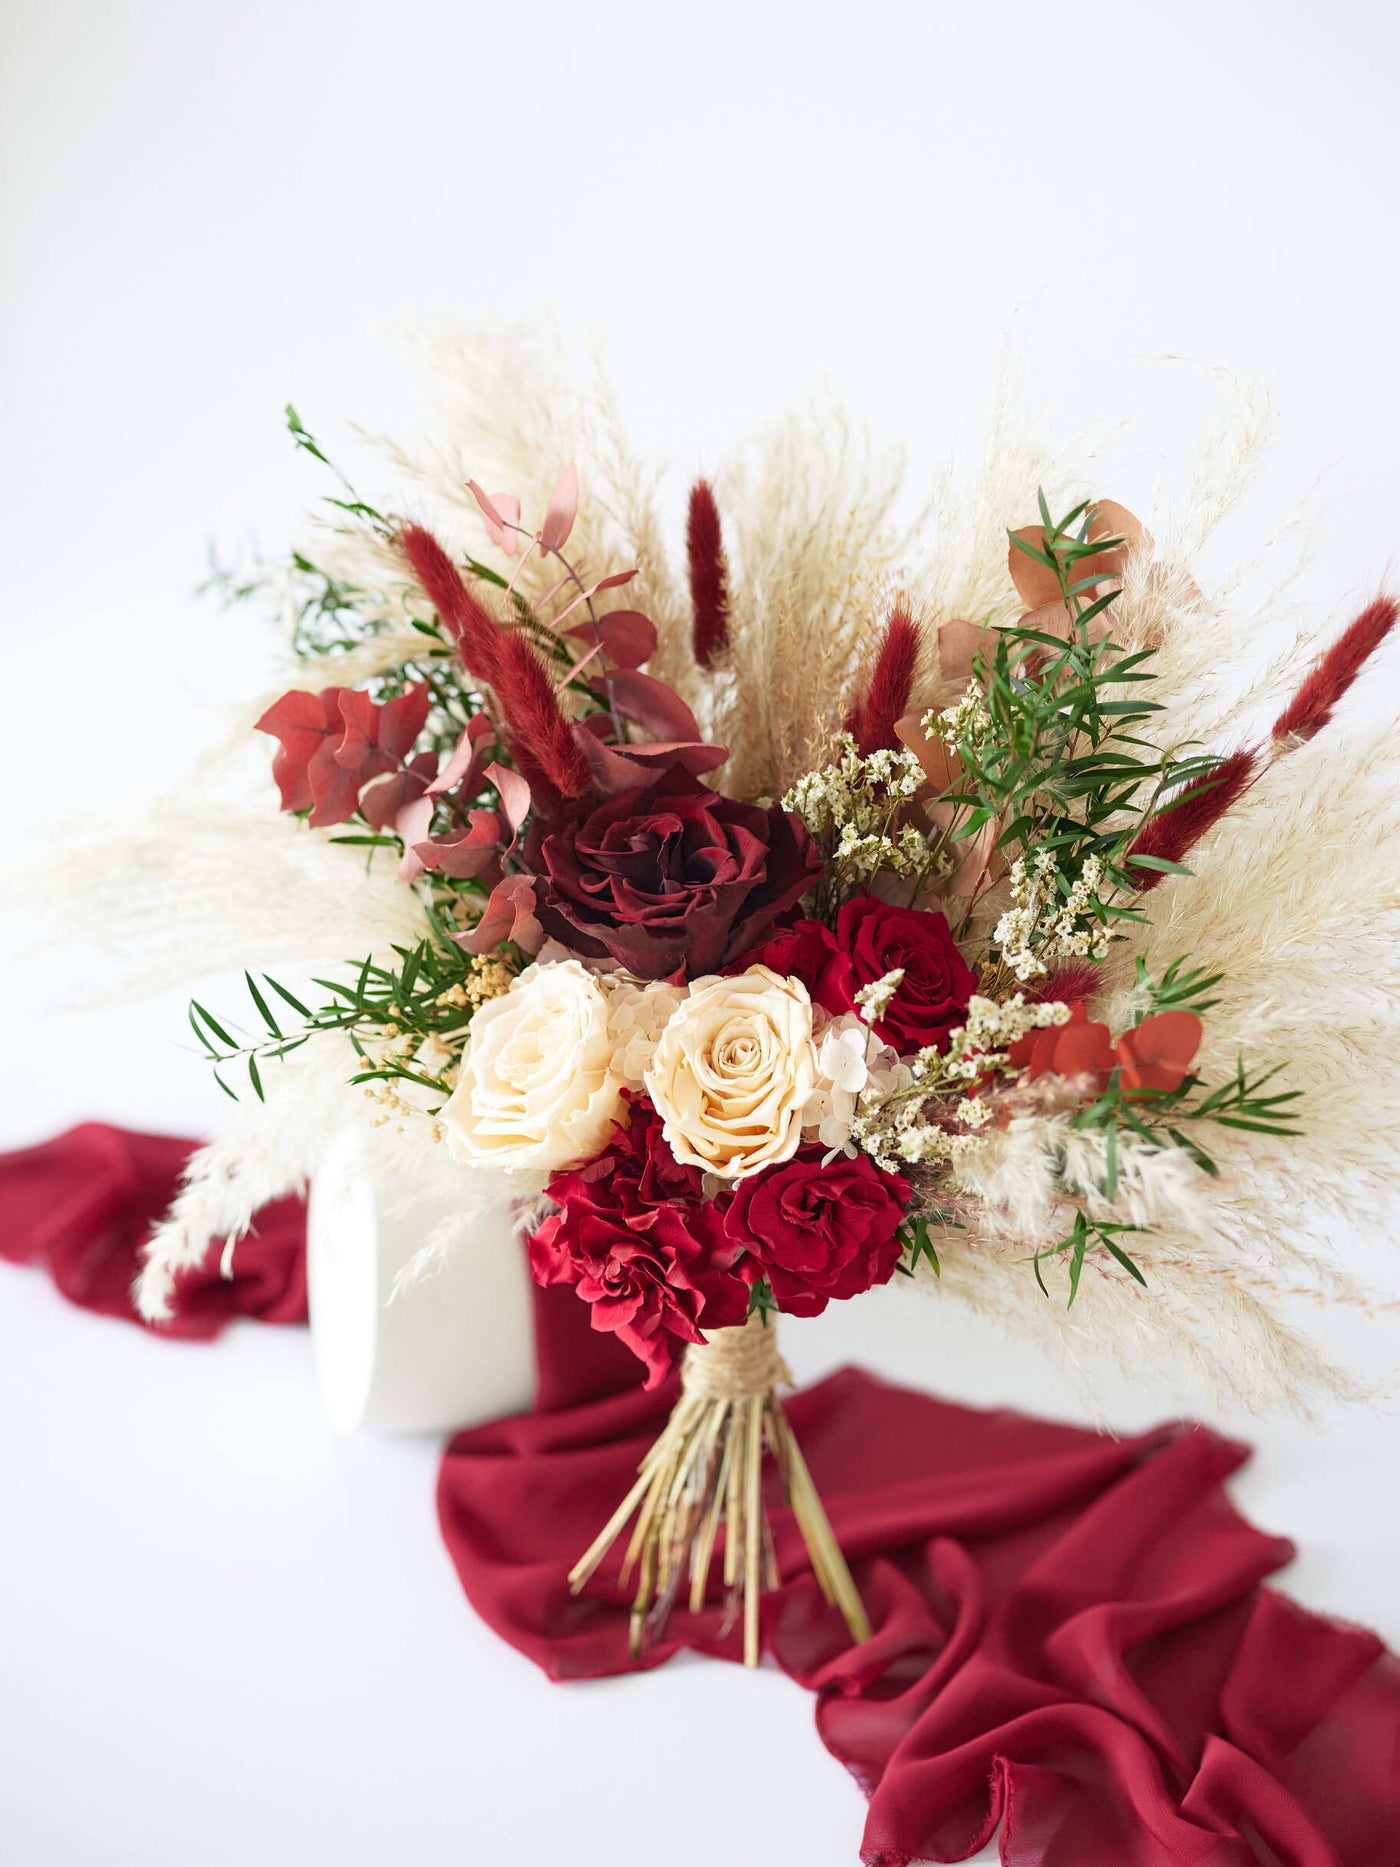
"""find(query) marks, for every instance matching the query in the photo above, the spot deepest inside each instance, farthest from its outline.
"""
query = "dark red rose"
(641, 1245)
(933, 995)
(807, 950)
(670, 878)
(820, 1231)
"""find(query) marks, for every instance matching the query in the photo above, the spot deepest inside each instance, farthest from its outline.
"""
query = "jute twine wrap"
(698, 1498)
(736, 1364)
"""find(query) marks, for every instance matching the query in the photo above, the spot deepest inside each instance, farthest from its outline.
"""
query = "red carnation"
(820, 1231)
(807, 950)
(640, 1244)
(670, 878)
(932, 998)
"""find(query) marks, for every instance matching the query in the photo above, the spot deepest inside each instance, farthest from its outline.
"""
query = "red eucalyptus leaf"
(1160, 1052)
(381, 735)
(654, 706)
(303, 723)
(622, 768)
(628, 637)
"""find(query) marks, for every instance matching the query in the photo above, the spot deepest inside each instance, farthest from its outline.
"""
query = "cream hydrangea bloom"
(537, 1087)
(733, 1071)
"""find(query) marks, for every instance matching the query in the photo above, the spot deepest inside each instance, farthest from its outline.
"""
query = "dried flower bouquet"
(818, 922)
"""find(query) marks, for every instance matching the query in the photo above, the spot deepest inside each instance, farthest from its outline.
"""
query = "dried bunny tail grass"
(193, 884)
(266, 1151)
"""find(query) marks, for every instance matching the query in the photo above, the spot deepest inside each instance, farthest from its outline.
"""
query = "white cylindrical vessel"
(453, 1347)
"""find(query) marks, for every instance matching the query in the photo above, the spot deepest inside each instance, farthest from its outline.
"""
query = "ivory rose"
(733, 1071)
(537, 1087)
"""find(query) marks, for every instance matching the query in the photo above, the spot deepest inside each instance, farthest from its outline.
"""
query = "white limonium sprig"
(874, 1000)
(930, 1118)
(1044, 921)
(967, 722)
(856, 810)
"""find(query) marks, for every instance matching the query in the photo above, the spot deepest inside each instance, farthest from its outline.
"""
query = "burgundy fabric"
(1070, 1636)
(84, 1203)
(1070, 1633)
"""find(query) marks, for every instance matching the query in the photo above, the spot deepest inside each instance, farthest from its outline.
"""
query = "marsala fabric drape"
(1071, 1633)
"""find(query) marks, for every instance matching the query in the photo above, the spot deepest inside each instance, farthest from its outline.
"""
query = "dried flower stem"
(706, 1469)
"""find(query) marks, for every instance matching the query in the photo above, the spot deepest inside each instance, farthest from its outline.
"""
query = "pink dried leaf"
(412, 825)
(501, 512)
(384, 797)
(563, 509)
(509, 915)
(515, 797)
(614, 582)
(572, 673)
(467, 760)
(473, 851)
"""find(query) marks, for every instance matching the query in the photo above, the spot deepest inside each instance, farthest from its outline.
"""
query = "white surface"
(229, 1636)
(395, 1354)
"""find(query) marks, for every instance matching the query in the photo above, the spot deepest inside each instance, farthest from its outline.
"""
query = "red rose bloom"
(807, 950)
(932, 997)
(635, 1238)
(820, 1231)
(670, 878)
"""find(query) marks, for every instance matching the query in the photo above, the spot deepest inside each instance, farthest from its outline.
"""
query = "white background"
(227, 1636)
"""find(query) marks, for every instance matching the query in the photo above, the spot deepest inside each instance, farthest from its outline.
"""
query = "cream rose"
(733, 1071)
(537, 1087)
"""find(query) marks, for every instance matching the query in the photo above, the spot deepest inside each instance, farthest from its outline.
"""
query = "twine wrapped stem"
(705, 1474)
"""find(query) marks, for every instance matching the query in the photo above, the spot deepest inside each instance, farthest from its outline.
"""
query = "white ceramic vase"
(451, 1349)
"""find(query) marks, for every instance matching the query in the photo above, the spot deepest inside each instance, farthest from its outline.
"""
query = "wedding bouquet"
(952, 910)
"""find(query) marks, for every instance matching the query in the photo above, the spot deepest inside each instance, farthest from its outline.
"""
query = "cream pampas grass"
(194, 884)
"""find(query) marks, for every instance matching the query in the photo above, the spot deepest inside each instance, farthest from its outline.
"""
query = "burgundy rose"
(933, 995)
(807, 950)
(640, 1244)
(820, 1231)
(670, 878)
